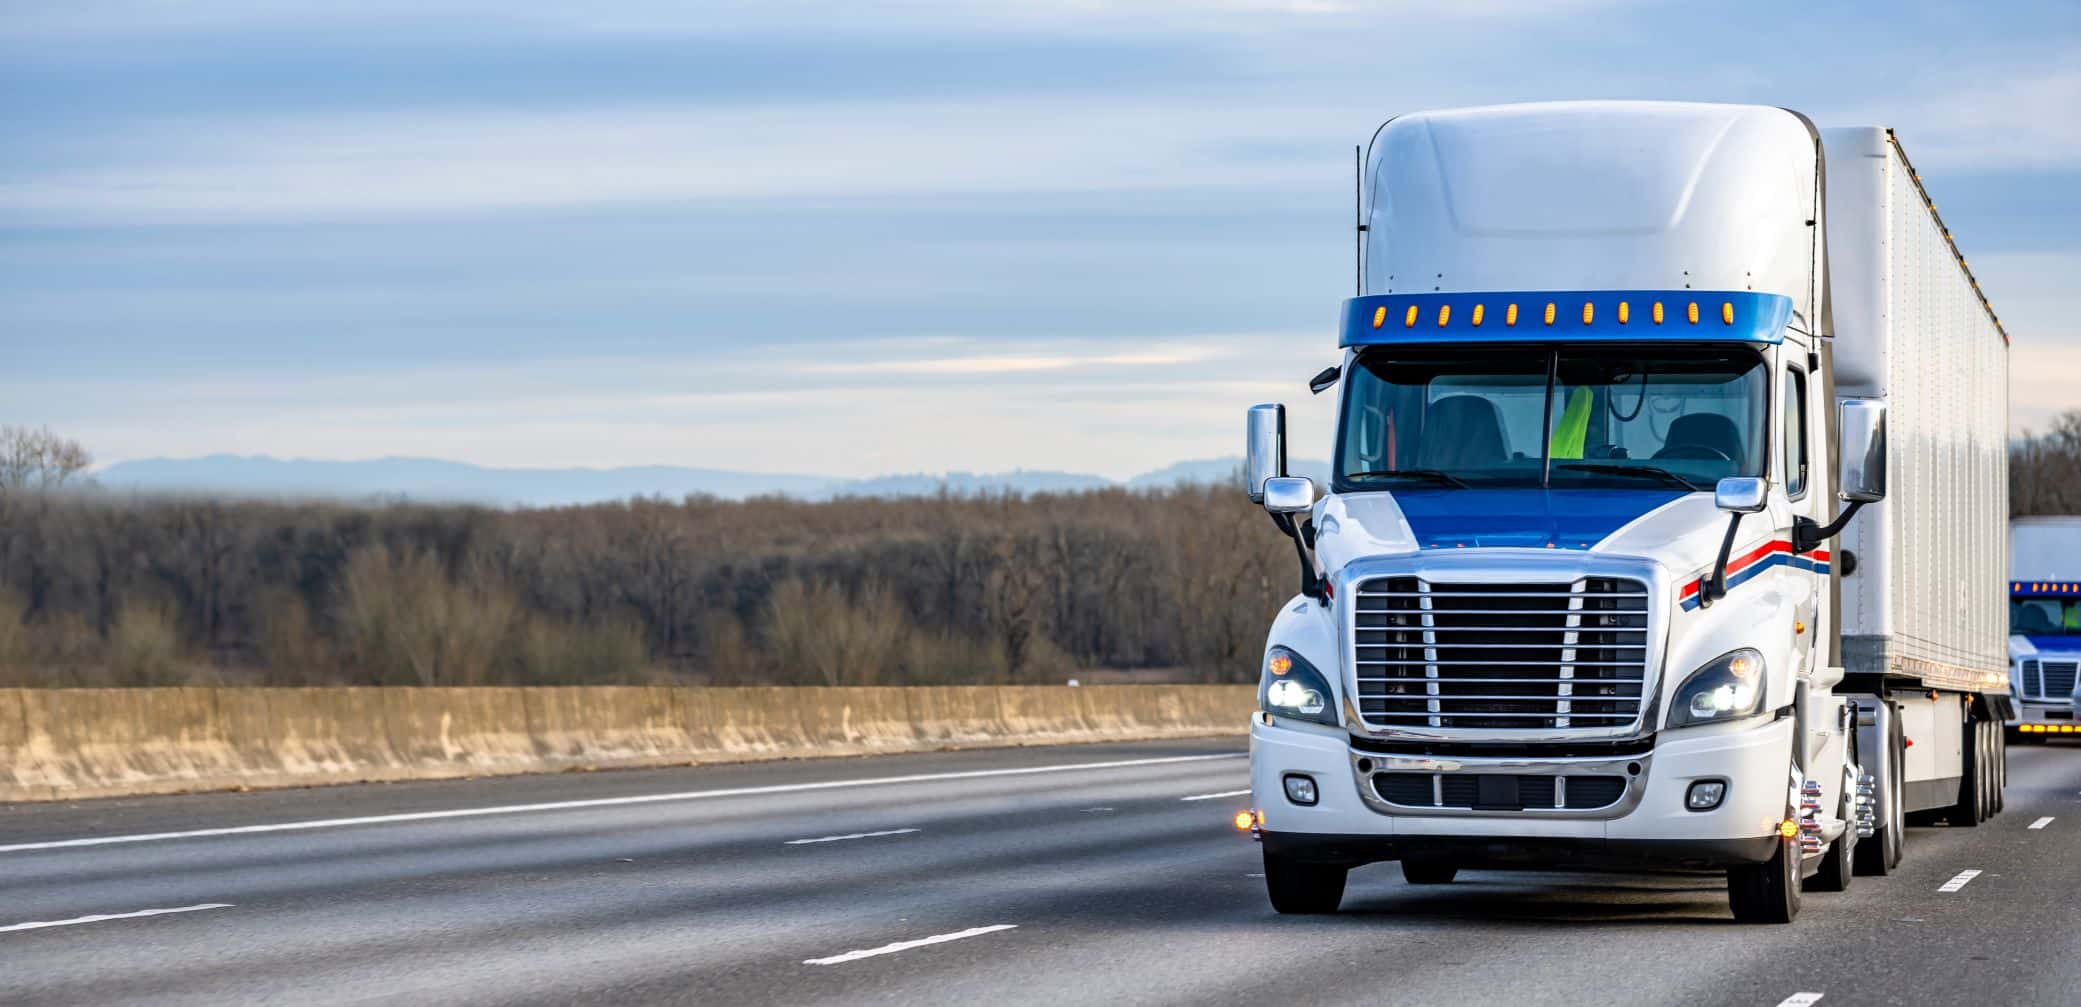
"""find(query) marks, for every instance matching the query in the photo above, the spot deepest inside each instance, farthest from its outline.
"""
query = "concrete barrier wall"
(58, 744)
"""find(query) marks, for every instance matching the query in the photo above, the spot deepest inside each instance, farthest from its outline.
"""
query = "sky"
(849, 239)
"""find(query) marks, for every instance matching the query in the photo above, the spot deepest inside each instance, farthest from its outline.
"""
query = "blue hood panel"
(2052, 647)
(1523, 518)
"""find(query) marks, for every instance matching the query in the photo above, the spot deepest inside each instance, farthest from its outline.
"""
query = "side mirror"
(1741, 494)
(1861, 428)
(1264, 448)
(1288, 495)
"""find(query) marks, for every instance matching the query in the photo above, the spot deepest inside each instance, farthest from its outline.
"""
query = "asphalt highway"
(1097, 873)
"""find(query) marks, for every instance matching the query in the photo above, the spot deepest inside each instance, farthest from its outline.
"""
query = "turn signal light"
(1244, 820)
(1788, 828)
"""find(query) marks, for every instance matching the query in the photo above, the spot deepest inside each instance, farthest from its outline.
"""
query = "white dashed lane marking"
(105, 917)
(1799, 1000)
(1958, 881)
(1209, 797)
(2042, 822)
(890, 949)
(849, 835)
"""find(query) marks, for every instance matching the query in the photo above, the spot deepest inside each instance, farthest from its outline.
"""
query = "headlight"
(1730, 687)
(1291, 687)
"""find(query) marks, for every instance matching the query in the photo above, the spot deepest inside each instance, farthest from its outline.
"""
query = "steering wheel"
(1699, 452)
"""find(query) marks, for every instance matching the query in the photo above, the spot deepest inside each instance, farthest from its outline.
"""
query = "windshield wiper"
(1432, 476)
(1649, 471)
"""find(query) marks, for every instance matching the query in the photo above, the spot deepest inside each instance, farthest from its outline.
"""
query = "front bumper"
(1649, 826)
(2051, 713)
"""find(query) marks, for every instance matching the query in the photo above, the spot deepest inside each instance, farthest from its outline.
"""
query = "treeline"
(2045, 469)
(99, 590)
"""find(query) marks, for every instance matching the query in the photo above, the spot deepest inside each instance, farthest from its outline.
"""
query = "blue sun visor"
(1567, 316)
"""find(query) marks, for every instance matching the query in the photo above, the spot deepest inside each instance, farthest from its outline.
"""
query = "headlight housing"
(1729, 687)
(1291, 687)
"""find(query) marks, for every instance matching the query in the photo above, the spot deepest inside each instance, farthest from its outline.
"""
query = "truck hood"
(1682, 530)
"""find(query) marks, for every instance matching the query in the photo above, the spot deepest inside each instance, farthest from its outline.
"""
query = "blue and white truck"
(2044, 624)
(1665, 517)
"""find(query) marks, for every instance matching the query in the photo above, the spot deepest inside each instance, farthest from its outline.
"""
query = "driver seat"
(1710, 431)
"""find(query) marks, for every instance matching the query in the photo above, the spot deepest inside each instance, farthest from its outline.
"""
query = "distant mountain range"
(430, 480)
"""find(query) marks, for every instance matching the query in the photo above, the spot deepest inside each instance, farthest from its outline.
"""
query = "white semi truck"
(1665, 521)
(2044, 624)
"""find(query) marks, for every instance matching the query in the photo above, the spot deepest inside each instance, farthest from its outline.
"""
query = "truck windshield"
(1568, 418)
(2045, 617)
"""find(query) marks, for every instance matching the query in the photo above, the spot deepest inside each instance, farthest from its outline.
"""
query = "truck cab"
(1570, 598)
(2044, 624)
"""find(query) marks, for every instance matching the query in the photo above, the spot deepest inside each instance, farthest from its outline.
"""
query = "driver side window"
(1794, 426)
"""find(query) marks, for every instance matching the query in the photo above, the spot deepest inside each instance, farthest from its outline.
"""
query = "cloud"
(479, 159)
(2000, 119)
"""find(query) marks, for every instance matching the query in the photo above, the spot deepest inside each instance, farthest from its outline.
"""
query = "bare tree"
(38, 459)
(2045, 469)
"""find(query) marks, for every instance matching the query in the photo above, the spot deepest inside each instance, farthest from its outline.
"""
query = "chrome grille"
(1511, 656)
(2059, 679)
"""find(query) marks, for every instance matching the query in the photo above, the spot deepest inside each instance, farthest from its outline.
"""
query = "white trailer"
(2044, 625)
(1612, 371)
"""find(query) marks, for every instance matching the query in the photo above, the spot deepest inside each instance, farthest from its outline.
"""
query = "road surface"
(1094, 873)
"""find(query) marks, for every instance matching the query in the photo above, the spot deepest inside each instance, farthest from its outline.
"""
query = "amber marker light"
(1658, 312)
(1244, 820)
(1280, 664)
(1549, 312)
(1589, 312)
(1475, 319)
(1788, 828)
(1444, 314)
(1625, 313)
(1409, 317)
(1691, 312)
(1727, 312)
(1510, 315)
(1379, 316)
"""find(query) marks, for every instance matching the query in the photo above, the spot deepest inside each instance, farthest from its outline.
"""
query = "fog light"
(1705, 795)
(1300, 789)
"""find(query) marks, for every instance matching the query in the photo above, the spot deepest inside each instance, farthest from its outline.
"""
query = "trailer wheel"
(1428, 872)
(1303, 888)
(1767, 892)
(1972, 783)
(2000, 762)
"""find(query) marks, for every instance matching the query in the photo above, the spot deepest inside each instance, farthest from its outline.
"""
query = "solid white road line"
(851, 835)
(599, 802)
(1209, 797)
(890, 949)
(1958, 881)
(2042, 822)
(1800, 1000)
(104, 917)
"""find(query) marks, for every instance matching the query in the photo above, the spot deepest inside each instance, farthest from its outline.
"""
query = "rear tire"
(1877, 855)
(1302, 888)
(1972, 786)
(1428, 872)
(2001, 770)
(1767, 892)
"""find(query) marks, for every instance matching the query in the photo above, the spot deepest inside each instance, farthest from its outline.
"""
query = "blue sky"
(848, 238)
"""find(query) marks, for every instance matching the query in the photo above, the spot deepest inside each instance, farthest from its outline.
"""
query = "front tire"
(1297, 887)
(1767, 892)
